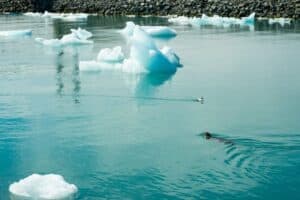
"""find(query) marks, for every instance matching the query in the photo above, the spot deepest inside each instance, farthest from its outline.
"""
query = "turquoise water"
(125, 136)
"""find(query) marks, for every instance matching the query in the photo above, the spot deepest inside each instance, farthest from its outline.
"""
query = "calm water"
(122, 136)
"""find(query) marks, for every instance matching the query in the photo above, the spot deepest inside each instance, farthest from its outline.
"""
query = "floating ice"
(144, 56)
(111, 55)
(16, 33)
(160, 31)
(214, 21)
(50, 186)
(181, 20)
(76, 37)
(281, 21)
(62, 16)
(154, 31)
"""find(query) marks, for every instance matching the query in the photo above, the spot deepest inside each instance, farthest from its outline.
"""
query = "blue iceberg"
(144, 56)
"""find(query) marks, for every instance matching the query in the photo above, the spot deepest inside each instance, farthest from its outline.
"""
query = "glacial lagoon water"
(137, 136)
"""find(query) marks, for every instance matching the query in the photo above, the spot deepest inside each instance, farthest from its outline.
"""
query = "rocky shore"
(231, 8)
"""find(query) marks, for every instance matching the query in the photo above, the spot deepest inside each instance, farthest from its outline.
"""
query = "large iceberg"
(62, 16)
(213, 21)
(76, 37)
(16, 33)
(36, 186)
(144, 56)
(154, 31)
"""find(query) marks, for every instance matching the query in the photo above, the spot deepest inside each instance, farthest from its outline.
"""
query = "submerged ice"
(16, 33)
(144, 55)
(213, 21)
(154, 31)
(76, 37)
(36, 186)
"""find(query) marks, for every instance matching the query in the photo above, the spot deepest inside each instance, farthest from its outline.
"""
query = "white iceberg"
(181, 20)
(33, 14)
(160, 31)
(111, 55)
(50, 187)
(62, 16)
(214, 21)
(154, 31)
(76, 37)
(144, 56)
(16, 33)
(281, 21)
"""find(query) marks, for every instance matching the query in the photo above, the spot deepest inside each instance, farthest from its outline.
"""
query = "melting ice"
(62, 16)
(214, 21)
(144, 55)
(154, 31)
(76, 37)
(36, 186)
(281, 21)
(16, 33)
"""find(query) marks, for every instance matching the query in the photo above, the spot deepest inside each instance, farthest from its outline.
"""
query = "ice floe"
(213, 21)
(76, 37)
(36, 186)
(62, 16)
(144, 55)
(111, 55)
(16, 33)
(154, 31)
(281, 21)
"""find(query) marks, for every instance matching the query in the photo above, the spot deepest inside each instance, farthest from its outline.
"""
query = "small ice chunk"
(214, 21)
(16, 33)
(160, 31)
(154, 31)
(111, 55)
(50, 42)
(62, 16)
(181, 20)
(76, 37)
(70, 16)
(82, 34)
(281, 21)
(33, 14)
(36, 186)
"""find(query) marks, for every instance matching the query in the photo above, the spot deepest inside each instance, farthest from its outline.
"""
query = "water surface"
(126, 136)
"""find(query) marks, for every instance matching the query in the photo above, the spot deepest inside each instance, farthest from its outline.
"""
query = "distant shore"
(228, 8)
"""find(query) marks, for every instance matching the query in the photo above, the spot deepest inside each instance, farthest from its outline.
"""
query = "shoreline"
(225, 8)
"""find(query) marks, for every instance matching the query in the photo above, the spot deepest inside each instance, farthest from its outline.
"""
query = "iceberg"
(181, 20)
(213, 21)
(16, 33)
(281, 21)
(111, 55)
(154, 31)
(36, 186)
(76, 37)
(144, 56)
(62, 16)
